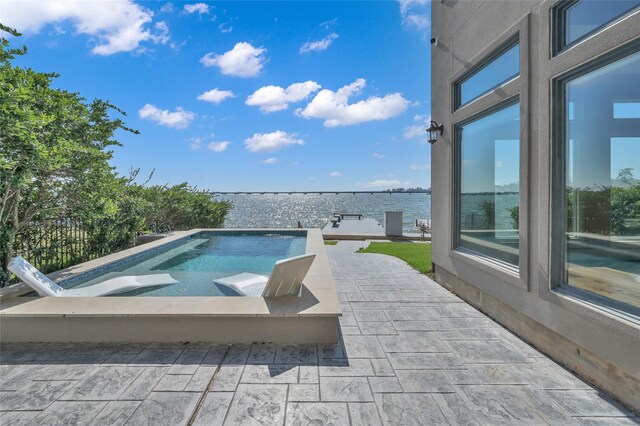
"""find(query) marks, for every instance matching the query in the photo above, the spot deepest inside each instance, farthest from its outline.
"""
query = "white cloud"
(269, 142)
(319, 45)
(199, 8)
(417, 130)
(225, 28)
(167, 8)
(335, 174)
(295, 163)
(243, 60)
(114, 26)
(218, 146)
(499, 163)
(328, 24)
(416, 167)
(385, 183)
(418, 22)
(414, 14)
(179, 119)
(215, 96)
(276, 98)
(196, 143)
(334, 107)
(377, 155)
(270, 160)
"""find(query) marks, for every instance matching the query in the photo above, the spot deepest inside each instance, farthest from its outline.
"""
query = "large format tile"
(346, 367)
(69, 413)
(486, 352)
(227, 378)
(35, 396)
(511, 405)
(303, 393)
(317, 413)
(409, 409)
(214, 409)
(587, 403)
(115, 413)
(188, 362)
(270, 373)
(165, 408)
(17, 418)
(429, 381)
(297, 354)
(258, 405)
(144, 383)
(345, 389)
(364, 414)
(156, 357)
(106, 383)
(363, 347)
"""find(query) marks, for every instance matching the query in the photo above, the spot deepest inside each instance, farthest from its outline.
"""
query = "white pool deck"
(410, 353)
(310, 318)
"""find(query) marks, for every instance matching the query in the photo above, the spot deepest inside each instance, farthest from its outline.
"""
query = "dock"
(364, 229)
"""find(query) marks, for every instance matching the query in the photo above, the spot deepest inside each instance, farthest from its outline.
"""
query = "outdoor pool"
(197, 260)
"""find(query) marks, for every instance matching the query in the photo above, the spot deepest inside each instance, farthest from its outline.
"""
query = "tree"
(53, 149)
(626, 175)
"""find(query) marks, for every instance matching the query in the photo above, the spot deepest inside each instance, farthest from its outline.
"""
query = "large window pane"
(503, 68)
(577, 19)
(489, 205)
(603, 181)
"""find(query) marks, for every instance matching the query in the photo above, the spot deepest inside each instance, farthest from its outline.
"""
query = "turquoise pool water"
(196, 261)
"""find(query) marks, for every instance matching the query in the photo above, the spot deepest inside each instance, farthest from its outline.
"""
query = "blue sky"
(249, 95)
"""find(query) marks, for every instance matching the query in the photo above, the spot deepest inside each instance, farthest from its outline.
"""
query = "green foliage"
(417, 255)
(605, 210)
(625, 210)
(514, 213)
(54, 163)
(179, 207)
(330, 242)
(488, 208)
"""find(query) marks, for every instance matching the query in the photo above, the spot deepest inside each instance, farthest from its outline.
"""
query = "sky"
(248, 96)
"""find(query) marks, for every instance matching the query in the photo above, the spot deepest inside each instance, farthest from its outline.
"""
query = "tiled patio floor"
(411, 353)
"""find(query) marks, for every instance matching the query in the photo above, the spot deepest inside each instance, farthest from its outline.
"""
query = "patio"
(410, 353)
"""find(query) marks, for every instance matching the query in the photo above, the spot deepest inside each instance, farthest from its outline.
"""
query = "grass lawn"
(330, 242)
(417, 255)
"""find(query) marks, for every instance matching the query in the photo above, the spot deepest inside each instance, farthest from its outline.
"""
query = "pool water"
(198, 260)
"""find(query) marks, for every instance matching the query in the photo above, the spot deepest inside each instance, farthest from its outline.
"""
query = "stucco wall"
(465, 31)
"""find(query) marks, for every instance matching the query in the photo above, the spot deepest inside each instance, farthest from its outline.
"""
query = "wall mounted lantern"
(434, 129)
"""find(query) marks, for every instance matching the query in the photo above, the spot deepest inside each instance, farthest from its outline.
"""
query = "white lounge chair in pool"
(45, 287)
(285, 279)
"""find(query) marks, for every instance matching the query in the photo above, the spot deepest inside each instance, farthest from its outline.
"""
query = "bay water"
(315, 210)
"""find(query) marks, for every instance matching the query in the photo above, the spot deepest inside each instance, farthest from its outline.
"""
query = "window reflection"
(500, 70)
(603, 181)
(577, 19)
(489, 206)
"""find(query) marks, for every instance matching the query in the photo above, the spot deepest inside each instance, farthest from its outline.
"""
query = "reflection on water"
(314, 210)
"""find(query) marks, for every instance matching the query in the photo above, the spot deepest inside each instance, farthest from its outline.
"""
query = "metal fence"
(55, 244)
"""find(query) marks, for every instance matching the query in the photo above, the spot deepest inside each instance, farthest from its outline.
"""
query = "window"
(501, 67)
(574, 20)
(600, 144)
(488, 207)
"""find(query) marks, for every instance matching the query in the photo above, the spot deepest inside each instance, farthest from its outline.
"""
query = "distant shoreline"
(426, 191)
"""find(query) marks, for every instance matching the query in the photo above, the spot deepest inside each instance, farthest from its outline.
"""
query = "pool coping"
(32, 318)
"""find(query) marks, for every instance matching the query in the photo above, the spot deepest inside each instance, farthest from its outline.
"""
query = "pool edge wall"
(170, 330)
(311, 318)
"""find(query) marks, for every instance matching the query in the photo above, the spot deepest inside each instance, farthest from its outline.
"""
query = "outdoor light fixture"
(434, 129)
